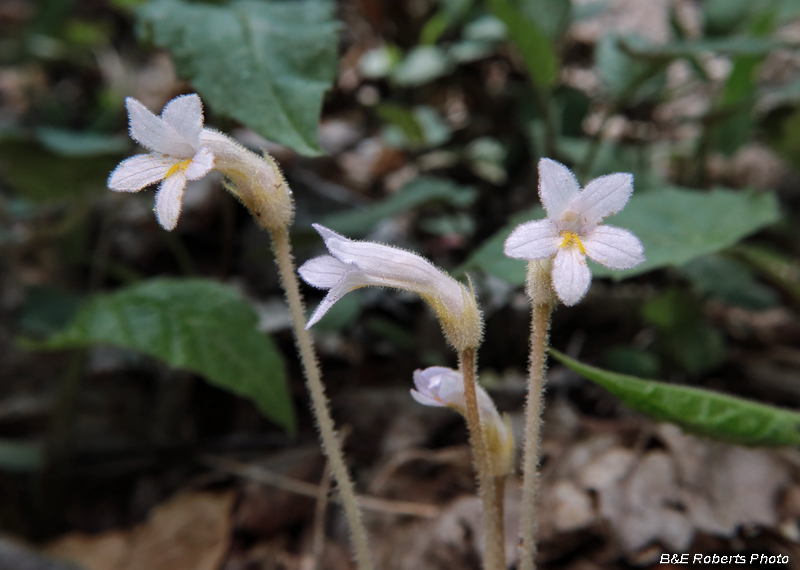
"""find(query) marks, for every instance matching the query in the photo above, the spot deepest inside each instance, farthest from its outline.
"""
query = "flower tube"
(444, 387)
(354, 264)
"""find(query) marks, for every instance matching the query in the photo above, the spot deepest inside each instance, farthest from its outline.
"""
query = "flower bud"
(444, 387)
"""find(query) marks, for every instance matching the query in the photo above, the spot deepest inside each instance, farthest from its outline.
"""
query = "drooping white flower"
(176, 154)
(354, 264)
(572, 229)
(444, 387)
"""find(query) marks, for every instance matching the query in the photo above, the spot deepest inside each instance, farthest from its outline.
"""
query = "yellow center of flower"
(570, 239)
(178, 167)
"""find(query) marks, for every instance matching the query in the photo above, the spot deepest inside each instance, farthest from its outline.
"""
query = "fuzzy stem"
(540, 323)
(492, 512)
(319, 402)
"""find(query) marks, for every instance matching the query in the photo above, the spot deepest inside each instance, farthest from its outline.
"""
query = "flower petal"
(602, 197)
(185, 115)
(425, 400)
(138, 171)
(557, 187)
(614, 247)
(533, 240)
(168, 200)
(351, 280)
(154, 133)
(571, 275)
(201, 164)
(323, 272)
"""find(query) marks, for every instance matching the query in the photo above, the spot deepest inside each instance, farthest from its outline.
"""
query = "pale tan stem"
(540, 324)
(492, 513)
(319, 402)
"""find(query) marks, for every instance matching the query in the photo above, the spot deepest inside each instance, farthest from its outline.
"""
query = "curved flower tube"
(354, 264)
(444, 387)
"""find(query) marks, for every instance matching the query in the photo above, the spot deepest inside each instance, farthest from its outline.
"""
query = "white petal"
(557, 187)
(425, 400)
(571, 275)
(323, 272)
(154, 133)
(614, 247)
(138, 171)
(201, 164)
(185, 114)
(351, 280)
(603, 197)
(168, 200)
(533, 240)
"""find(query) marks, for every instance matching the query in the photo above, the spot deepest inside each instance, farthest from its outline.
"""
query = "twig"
(267, 477)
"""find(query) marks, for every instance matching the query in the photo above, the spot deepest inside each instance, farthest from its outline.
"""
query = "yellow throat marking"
(178, 167)
(571, 238)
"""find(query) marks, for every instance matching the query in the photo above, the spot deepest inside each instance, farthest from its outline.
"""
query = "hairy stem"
(540, 323)
(319, 402)
(492, 512)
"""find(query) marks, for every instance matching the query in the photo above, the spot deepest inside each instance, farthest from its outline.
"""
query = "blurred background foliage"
(417, 123)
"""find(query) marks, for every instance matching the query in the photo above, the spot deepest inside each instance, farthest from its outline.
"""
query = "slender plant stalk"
(540, 323)
(492, 512)
(319, 402)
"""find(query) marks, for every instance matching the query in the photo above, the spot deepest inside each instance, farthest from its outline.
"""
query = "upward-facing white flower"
(355, 264)
(176, 154)
(444, 387)
(572, 229)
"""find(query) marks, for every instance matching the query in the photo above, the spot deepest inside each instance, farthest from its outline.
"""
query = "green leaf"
(414, 194)
(266, 64)
(675, 225)
(422, 65)
(21, 456)
(703, 412)
(552, 16)
(192, 324)
(531, 41)
(737, 45)
(624, 77)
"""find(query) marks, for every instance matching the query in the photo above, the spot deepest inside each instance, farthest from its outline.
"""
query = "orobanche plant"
(556, 248)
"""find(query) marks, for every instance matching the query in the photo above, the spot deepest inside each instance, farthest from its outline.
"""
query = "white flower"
(444, 387)
(176, 154)
(354, 264)
(572, 229)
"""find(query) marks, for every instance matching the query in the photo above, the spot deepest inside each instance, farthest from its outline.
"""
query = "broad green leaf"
(20, 456)
(531, 41)
(675, 225)
(415, 193)
(703, 412)
(192, 324)
(266, 64)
